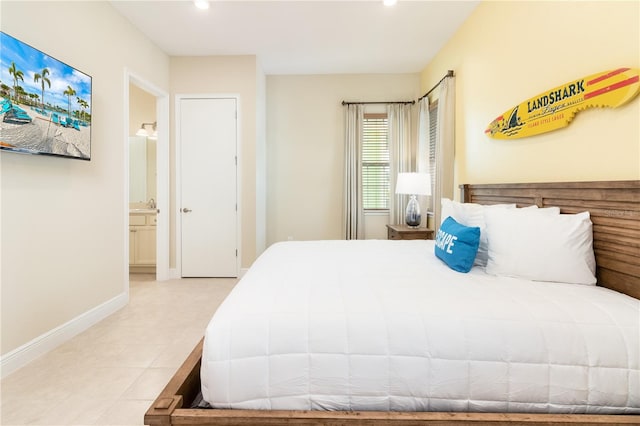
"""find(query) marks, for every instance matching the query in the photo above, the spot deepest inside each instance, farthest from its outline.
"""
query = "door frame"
(178, 165)
(162, 174)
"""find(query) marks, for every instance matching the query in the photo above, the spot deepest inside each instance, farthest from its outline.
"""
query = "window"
(375, 162)
(433, 132)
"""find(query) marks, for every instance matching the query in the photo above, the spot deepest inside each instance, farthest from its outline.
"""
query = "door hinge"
(236, 159)
(236, 252)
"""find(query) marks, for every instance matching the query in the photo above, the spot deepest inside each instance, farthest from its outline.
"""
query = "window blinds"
(375, 162)
(433, 134)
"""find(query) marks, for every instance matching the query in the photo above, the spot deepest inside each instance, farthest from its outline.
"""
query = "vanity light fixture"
(201, 4)
(390, 2)
(143, 132)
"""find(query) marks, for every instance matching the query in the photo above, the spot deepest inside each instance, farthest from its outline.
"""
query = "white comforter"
(384, 325)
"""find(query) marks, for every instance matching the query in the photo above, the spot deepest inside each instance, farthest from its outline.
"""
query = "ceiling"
(304, 37)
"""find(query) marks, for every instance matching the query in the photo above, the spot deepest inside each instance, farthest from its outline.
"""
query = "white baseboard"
(174, 274)
(48, 341)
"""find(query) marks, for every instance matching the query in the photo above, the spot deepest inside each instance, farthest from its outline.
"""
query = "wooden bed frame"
(615, 213)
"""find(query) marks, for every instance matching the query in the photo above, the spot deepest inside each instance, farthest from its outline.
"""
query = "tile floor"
(110, 374)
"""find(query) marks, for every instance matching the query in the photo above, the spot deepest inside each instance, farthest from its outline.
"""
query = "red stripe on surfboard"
(497, 119)
(607, 89)
(608, 75)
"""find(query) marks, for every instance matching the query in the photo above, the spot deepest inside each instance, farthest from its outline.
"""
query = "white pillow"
(541, 247)
(547, 210)
(471, 214)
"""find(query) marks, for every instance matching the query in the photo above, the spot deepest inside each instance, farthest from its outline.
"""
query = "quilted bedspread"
(385, 325)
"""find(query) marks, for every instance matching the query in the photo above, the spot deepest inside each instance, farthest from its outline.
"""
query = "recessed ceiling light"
(390, 2)
(201, 4)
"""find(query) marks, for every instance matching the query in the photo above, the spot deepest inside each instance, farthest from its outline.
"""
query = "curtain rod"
(378, 102)
(449, 74)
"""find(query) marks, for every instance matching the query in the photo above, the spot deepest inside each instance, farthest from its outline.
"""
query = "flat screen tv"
(45, 105)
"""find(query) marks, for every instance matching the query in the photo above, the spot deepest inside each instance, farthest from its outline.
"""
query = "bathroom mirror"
(137, 169)
(142, 169)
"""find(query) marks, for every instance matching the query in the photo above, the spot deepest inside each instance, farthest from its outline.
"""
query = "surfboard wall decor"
(556, 108)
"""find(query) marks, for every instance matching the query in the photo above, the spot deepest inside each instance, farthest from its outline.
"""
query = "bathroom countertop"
(143, 211)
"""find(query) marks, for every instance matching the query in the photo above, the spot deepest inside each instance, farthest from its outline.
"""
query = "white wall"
(261, 162)
(64, 221)
(226, 75)
(305, 154)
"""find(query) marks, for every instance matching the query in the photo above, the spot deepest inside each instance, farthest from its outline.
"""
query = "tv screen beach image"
(45, 106)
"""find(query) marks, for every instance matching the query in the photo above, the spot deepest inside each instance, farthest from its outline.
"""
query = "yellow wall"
(507, 52)
(142, 109)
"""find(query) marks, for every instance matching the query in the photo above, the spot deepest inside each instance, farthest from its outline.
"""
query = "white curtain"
(353, 214)
(399, 119)
(422, 152)
(445, 145)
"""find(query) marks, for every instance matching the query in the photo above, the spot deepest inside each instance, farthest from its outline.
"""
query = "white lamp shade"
(413, 184)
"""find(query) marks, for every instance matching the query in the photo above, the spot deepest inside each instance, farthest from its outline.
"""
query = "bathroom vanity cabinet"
(142, 242)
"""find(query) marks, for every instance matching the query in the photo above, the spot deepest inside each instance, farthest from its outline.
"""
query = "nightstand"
(404, 232)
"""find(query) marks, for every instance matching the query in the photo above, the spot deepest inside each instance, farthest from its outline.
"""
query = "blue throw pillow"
(457, 245)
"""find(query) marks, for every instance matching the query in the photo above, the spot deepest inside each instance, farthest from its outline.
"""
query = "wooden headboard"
(615, 212)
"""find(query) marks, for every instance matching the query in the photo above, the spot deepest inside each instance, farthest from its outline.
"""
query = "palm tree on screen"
(83, 104)
(42, 76)
(69, 92)
(17, 75)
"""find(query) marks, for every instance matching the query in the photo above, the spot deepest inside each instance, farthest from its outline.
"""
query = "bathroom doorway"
(147, 201)
(143, 212)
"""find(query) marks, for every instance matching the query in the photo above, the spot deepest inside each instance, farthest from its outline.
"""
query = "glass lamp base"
(412, 215)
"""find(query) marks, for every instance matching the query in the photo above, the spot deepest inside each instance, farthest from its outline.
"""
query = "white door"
(208, 205)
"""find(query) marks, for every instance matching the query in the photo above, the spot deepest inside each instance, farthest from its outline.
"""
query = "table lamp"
(413, 184)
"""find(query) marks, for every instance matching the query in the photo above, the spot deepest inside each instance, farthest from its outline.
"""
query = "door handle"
(186, 210)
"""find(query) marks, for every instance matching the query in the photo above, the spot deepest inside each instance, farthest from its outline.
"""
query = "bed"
(614, 209)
